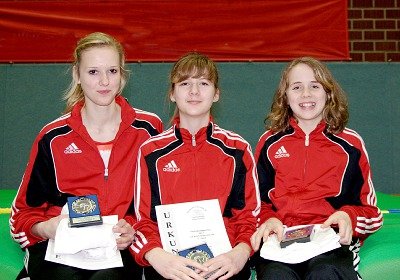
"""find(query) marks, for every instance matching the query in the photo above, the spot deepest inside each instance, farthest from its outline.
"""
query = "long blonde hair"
(335, 113)
(74, 93)
(194, 65)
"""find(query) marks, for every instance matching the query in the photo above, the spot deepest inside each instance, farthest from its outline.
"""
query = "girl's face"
(306, 96)
(194, 98)
(99, 75)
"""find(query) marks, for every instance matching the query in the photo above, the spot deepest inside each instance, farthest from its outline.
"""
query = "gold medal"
(199, 256)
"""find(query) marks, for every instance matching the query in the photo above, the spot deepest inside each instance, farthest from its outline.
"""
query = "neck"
(193, 125)
(308, 127)
(102, 125)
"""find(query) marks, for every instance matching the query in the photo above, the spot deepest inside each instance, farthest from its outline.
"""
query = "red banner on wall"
(154, 31)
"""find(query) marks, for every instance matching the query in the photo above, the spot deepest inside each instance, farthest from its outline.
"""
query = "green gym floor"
(11, 260)
(380, 254)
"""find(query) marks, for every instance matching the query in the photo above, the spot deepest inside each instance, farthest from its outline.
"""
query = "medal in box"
(299, 235)
(84, 211)
(200, 253)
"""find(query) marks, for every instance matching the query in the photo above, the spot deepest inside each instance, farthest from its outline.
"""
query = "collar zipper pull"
(106, 174)
(193, 140)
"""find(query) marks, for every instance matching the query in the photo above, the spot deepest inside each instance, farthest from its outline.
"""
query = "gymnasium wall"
(31, 96)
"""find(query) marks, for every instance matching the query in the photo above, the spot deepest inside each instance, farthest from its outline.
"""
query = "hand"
(272, 225)
(342, 219)
(127, 234)
(226, 265)
(174, 267)
(47, 229)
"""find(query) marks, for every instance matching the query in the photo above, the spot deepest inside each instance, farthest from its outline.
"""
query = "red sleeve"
(24, 216)
(367, 218)
(147, 236)
(242, 224)
(266, 179)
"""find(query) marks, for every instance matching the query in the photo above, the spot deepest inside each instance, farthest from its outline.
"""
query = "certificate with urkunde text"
(188, 224)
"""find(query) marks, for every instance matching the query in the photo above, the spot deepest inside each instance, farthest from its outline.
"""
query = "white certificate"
(188, 224)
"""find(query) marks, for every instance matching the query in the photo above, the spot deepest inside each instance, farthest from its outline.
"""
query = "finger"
(117, 229)
(253, 241)
(328, 222)
(226, 276)
(125, 238)
(342, 229)
(121, 223)
(256, 239)
(212, 268)
(123, 229)
(122, 246)
(267, 233)
(344, 232)
(127, 229)
(131, 229)
(279, 234)
(214, 274)
(195, 265)
(191, 274)
(344, 241)
(349, 234)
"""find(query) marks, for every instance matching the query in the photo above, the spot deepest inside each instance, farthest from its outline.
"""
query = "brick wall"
(374, 30)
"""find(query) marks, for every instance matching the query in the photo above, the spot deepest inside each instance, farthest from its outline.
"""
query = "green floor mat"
(380, 255)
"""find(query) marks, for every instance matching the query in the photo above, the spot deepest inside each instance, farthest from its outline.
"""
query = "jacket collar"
(128, 116)
(320, 128)
(198, 138)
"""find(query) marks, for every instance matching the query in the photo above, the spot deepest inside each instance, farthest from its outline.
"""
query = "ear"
(75, 74)
(171, 97)
(216, 96)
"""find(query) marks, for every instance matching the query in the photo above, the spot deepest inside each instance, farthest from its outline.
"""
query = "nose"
(104, 80)
(194, 89)
(306, 92)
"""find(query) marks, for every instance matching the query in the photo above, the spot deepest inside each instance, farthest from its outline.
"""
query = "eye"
(204, 83)
(114, 71)
(316, 85)
(92, 72)
(183, 83)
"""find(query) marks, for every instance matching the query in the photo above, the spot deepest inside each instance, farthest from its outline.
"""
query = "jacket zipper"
(193, 140)
(307, 141)
(306, 144)
(111, 155)
(105, 173)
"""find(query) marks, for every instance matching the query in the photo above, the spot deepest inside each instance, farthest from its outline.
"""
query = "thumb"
(62, 216)
(327, 223)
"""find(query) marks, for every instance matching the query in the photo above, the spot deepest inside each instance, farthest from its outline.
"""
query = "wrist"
(39, 231)
(150, 255)
(243, 248)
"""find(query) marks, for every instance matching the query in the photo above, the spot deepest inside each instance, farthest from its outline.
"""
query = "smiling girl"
(313, 170)
(207, 162)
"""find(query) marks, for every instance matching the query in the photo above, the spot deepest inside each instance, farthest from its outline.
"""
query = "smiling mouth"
(307, 104)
